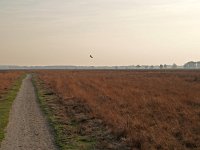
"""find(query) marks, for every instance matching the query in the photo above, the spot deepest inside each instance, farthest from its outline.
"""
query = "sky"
(115, 32)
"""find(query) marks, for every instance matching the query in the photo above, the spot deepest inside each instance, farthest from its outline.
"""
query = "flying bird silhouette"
(91, 56)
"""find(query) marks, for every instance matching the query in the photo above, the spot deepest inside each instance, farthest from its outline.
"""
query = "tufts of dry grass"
(150, 109)
(7, 79)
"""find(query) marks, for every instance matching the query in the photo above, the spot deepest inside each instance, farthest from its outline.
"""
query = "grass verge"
(5, 106)
(71, 141)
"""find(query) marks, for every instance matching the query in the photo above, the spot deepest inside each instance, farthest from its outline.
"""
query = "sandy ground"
(27, 128)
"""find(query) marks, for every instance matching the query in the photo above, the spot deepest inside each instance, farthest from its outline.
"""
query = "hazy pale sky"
(115, 32)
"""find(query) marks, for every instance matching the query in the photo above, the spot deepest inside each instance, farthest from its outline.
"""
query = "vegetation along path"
(27, 128)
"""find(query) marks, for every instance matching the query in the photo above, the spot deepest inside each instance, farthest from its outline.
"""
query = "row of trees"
(174, 66)
(165, 66)
(188, 65)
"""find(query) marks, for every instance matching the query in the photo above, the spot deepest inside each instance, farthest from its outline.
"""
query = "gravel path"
(27, 128)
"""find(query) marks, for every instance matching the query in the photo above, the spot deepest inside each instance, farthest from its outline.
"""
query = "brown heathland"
(150, 109)
(7, 79)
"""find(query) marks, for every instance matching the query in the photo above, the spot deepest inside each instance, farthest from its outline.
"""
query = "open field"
(10, 82)
(144, 109)
(7, 79)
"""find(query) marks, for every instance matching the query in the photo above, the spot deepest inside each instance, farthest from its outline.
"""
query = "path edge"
(46, 112)
(7, 103)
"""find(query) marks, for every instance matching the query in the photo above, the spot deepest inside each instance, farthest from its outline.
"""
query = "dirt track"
(27, 128)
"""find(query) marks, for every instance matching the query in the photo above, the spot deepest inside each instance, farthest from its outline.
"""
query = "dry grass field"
(146, 109)
(7, 79)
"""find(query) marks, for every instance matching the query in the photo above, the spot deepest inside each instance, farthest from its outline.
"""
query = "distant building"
(190, 65)
(198, 64)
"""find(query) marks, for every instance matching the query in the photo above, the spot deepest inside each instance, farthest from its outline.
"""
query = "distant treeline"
(188, 65)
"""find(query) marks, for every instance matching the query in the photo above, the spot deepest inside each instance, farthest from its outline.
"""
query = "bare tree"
(161, 66)
(138, 66)
(174, 66)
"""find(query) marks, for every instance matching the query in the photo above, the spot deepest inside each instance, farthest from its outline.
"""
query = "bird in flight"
(91, 56)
